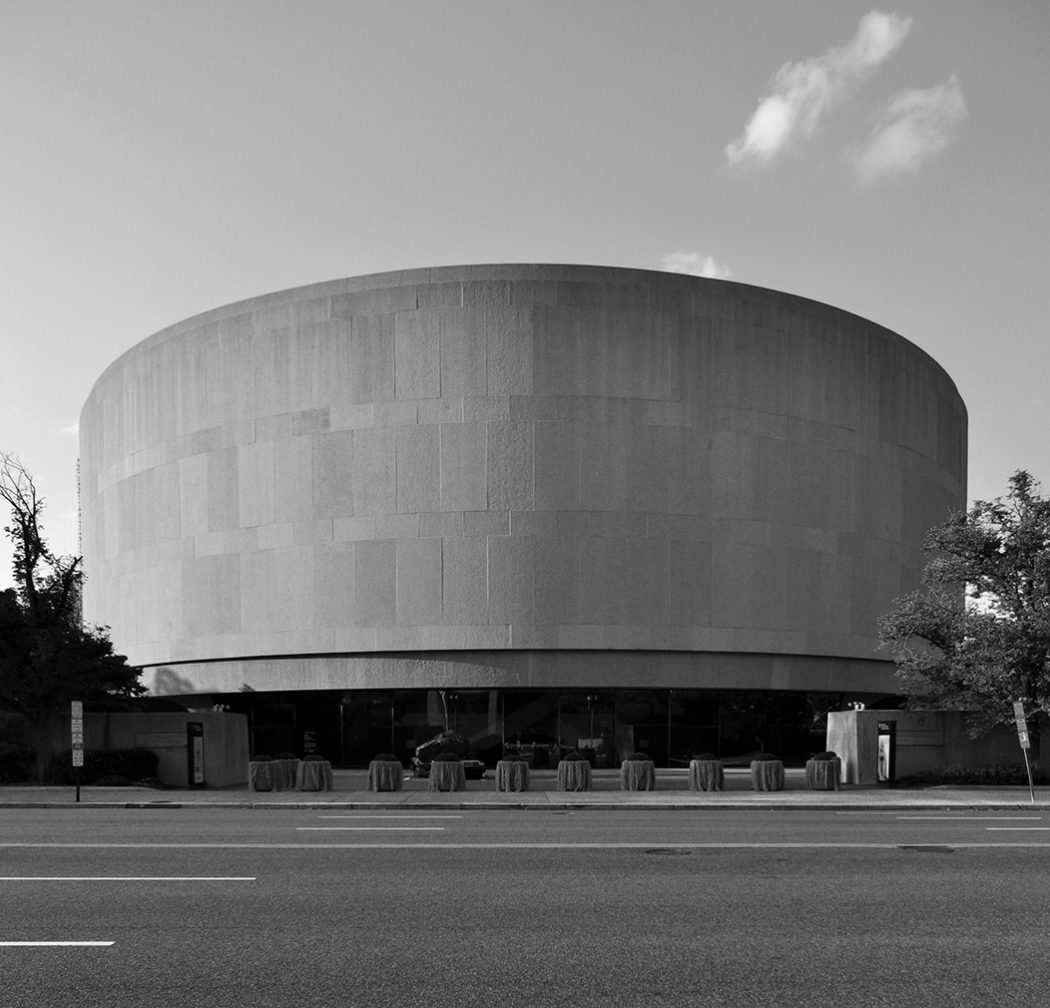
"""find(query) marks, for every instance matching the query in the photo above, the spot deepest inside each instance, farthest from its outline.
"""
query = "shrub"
(386, 757)
(572, 756)
(16, 761)
(261, 759)
(17, 756)
(447, 757)
(133, 764)
(824, 757)
(313, 758)
(640, 756)
(980, 776)
(706, 756)
(285, 755)
(764, 757)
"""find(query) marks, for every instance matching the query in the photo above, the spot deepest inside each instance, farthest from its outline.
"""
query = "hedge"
(986, 776)
(134, 764)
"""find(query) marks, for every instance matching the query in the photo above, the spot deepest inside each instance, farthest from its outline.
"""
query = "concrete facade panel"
(511, 579)
(509, 351)
(545, 458)
(464, 467)
(417, 355)
(464, 582)
(293, 479)
(373, 474)
(333, 584)
(372, 359)
(375, 583)
(556, 466)
(464, 353)
(255, 484)
(419, 582)
(332, 468)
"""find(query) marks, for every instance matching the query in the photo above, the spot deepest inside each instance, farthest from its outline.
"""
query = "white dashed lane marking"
(56, 944)
(127, 878)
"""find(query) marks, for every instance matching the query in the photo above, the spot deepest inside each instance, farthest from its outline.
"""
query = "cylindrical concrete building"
(541, 504)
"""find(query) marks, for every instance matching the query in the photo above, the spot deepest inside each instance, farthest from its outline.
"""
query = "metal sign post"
(1022, 737)
(76, 730)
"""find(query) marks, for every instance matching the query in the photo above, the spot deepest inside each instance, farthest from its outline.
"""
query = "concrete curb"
(350, 793)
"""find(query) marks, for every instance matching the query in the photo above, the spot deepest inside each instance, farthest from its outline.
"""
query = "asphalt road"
(591, 908)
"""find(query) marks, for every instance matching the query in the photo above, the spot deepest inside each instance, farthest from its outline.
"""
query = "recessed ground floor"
(350, 727)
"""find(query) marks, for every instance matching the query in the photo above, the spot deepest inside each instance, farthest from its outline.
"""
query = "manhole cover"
(667, 851)
(928, 848)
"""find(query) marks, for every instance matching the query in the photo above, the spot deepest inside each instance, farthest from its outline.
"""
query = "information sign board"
(76, 729)
(1022, 737)
(195, 752)
(1022, 725)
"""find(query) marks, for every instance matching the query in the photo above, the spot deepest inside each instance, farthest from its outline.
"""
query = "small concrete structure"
(922, 740)
(225, 742)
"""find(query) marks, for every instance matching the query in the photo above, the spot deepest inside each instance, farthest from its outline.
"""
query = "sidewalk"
(350, 792)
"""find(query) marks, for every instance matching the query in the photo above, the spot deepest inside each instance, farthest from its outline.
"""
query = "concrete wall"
(535, 458)
(925, 740)
(225, 743)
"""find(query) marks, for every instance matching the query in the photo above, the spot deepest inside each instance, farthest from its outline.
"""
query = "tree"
(976, 636)
(47, 656)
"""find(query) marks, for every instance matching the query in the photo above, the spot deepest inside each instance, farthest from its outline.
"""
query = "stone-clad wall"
(513, 457)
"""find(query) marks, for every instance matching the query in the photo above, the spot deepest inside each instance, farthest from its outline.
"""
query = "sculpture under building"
(544, 505)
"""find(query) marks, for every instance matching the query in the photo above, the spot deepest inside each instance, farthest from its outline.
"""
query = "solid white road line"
(975, 818)
(1017, 829)
(127, 878)
(658, 842)
(375, 829)
(53, 944)
(946, 814)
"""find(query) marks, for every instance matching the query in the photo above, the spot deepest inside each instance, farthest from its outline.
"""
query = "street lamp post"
(592, 699)
(379, 702)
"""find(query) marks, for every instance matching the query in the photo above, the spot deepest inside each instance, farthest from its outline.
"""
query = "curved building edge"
(546, 670)
(386, 279)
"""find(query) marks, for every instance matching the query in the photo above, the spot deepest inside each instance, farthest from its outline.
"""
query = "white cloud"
(801, 93)
(695, 264)
(73, 429)
(915, 127)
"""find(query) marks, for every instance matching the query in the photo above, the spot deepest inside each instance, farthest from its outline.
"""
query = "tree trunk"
(45, 733)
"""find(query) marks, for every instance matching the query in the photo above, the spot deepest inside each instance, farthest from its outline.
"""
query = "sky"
(162, 158)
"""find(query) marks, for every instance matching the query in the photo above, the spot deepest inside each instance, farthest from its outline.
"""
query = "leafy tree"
(976, 636)
(47, 656)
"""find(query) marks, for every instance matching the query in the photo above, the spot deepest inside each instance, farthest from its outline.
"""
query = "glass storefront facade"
(350, 728)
